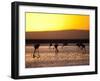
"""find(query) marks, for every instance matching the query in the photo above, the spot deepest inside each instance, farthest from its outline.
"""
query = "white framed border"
(52, 70)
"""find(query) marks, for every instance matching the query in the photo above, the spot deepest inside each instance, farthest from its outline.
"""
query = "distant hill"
(68, 34)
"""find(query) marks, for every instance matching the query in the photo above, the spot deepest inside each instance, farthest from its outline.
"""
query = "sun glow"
(55, 22)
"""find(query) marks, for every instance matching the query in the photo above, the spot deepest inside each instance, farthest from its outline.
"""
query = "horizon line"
(60, 30)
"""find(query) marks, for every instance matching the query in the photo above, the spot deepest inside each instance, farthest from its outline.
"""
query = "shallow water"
(70, 55)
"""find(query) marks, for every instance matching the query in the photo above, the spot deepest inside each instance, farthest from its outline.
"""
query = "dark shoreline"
(31, 41)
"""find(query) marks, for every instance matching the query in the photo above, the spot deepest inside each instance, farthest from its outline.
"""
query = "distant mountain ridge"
(63, 34)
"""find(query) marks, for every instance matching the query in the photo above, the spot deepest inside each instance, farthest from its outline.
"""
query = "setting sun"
(55, 22)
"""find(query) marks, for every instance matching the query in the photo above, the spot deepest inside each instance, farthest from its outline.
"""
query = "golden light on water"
(55, 22)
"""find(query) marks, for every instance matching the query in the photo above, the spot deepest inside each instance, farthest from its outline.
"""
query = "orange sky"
(55, 22)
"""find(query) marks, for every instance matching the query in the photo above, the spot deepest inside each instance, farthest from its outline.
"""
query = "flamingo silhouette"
(36, 48)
